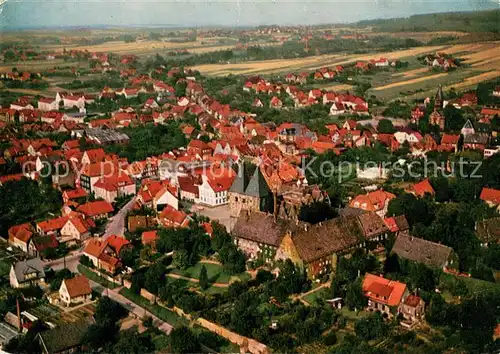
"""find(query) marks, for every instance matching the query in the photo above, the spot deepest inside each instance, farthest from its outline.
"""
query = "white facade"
(69, 103)
(166, 199)
(44, 106)
(209, 197)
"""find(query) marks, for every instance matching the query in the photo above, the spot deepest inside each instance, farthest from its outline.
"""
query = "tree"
(154, 277)
(371, 327)
(204, 284)
(354, 297)
(180, 259)
(183, 340)
(385, 126)
(108, 310)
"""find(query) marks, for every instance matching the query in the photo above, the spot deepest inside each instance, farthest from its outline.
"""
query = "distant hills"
(477, 21)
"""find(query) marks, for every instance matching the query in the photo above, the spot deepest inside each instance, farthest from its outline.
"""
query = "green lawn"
(322, 293)
(214, 271)
(93, 276)
(161, 312)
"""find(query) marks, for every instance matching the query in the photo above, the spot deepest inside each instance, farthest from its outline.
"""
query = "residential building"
(426, 252)
(491, 197)
(412, 308)
(259, 234)
(105, 254)
(67, 338)
(384, 295)
(421, 188)
(26, 273)
(377, 201)
(20, 236)
(75, 290)
(99, 209)
(112, 187)
(316, 248)
(213, 190)
(170, 217)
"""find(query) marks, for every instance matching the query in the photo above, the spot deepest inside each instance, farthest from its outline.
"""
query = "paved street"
(131, 306)
(72, 260)
(116, 225)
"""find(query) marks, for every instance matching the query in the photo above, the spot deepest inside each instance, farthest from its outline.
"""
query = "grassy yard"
(93, 276)
(214, 271)
(161, 312)
(322, 293)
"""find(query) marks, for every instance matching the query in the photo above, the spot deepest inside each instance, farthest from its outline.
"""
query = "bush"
(330, 338)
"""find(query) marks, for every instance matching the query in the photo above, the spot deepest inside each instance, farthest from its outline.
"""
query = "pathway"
(300, 297)
(137, 310)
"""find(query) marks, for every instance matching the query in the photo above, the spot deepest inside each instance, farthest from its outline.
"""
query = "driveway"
(137, 310)
(116, 225)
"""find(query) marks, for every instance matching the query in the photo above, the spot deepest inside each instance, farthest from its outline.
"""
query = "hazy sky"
(56, 13)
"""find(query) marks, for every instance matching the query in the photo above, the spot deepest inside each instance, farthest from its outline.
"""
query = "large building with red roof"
(383, 295)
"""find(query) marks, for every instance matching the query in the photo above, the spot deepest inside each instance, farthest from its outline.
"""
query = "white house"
(165, 197)
(337, 108)
(75, 291)
(214, 192)
(48, 104)
(74, 101)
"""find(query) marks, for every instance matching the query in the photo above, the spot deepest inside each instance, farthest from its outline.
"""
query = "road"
(137, 310)
(116, 226)
(72, 260)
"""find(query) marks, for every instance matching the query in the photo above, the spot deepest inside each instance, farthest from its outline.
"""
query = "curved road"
(116, 225)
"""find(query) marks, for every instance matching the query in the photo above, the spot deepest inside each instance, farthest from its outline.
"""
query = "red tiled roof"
(383, 290)
(117, 242)
(96, 208)
(372, 201)
(53, 224)
(450, 139)
(169, 215)
(490, 195)
(113, 183)
(148, 237)
(423, 187)
(77, 286)
(75, 193)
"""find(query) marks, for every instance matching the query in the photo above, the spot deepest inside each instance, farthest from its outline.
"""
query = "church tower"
(439, 99)
(253, 196)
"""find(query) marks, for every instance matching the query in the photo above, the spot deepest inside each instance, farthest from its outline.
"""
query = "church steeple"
(438, 100)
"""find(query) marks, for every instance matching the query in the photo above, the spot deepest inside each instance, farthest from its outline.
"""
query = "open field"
(474, 80)
(480, 50)
(409, 82)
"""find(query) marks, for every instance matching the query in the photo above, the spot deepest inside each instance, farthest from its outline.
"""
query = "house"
(383, 295)
(275, 103)
(170, 217)
(488, 231)
(140, 222)
(417, 113)
(26, 273)
(436, 118)
(491, 196)
(157, 194)
(73, 195)
(149, 238)
(475, 141)
(20, 236)
(449, 142)
(259, 234)
(421, 188)
(75, 290)
(373, 227)
(99, 209)
(198, 148)
(397, 224)
(48, 104)
(426, 252)
(316, 248)
(105, 254)
(67, 338)
(412, 308)
(51, 226)
(112, 187)
(213, 190)
(91, 173)
(376, 201)
(71, 101)
(77, 228)
(496, 91)
(188, 188)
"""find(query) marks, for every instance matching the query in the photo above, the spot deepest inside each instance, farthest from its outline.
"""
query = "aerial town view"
(250, 176)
